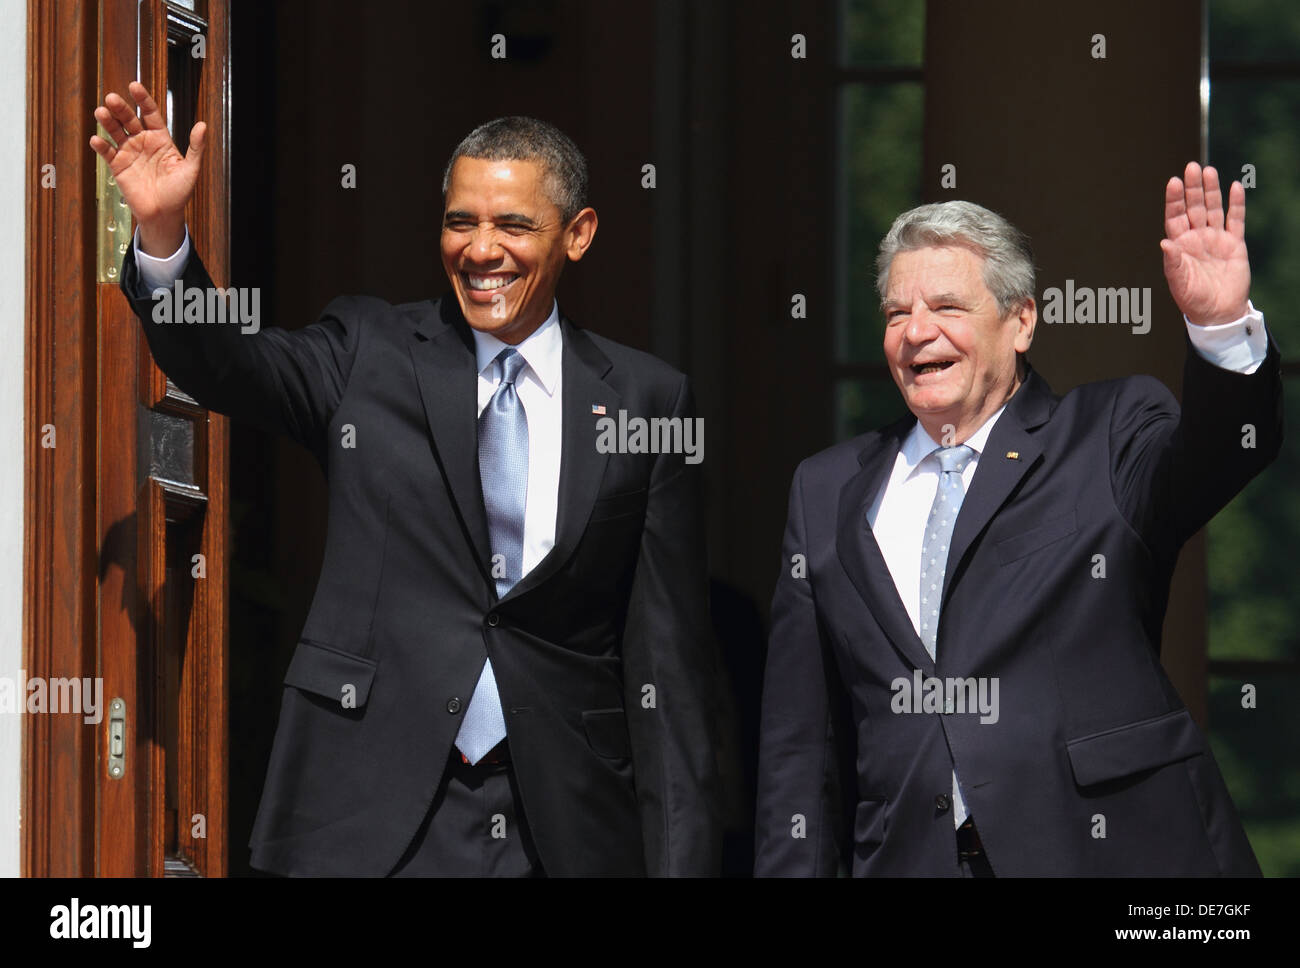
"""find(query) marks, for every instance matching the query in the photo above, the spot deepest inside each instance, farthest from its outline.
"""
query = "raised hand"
(1205, 259)
(156, 182)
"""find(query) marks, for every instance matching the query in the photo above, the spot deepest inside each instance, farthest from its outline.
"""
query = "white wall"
(14, 183)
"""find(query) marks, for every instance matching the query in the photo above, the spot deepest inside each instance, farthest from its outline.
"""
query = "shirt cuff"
(156, 273)
(1240, 345)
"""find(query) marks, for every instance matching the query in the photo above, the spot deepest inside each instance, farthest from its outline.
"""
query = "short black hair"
(527, 139)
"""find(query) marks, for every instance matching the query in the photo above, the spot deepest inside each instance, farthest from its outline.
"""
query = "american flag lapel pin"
(598, 409)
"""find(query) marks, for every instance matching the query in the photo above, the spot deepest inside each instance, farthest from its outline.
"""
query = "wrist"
(161, 237)
(1229, 317)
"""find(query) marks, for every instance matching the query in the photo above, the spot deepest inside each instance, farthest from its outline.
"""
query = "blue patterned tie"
(503, 469)
(934, 562)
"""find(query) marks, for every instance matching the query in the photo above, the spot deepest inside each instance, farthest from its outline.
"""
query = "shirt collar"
(918, 444)
(542, 351)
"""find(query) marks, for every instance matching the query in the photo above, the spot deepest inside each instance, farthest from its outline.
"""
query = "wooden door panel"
(128, 515)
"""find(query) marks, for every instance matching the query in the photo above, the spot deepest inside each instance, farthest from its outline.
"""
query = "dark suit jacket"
(602, 654)
(1090, 730)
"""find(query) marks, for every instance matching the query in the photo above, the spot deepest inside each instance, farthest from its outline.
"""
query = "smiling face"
(504, 243)
(951, 353)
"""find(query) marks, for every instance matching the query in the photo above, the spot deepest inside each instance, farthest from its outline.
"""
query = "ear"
(579, 233)
(1026, 319)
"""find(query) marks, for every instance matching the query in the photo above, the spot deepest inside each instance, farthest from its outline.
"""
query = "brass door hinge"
(112, 222)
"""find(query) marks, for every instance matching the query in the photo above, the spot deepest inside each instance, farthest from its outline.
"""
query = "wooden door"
(126, 476)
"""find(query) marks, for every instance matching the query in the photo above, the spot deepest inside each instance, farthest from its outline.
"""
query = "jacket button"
(493, 620)
(453, 705)
(942, 802)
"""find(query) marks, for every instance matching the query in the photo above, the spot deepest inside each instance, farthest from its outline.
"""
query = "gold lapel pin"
(1013, 455)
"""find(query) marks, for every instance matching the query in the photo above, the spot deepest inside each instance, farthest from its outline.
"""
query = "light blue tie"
(503, 469)
(934, 563)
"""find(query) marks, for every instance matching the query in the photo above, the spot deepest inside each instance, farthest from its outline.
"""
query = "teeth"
(486, 283)
(932, 367)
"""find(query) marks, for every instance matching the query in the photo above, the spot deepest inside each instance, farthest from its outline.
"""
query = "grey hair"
(527, 139)
(1008, 258)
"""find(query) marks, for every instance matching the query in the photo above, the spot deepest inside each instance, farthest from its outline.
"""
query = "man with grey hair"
(953, 686)
(508, 667)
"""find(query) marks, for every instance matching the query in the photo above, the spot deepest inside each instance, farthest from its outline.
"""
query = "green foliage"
(881, 136)
(1255, 750)
(1254, 31)
(882, 32)
(1253, 608)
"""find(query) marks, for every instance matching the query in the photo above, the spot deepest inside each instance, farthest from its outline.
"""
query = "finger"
(111, 125)
(149, 113)
(1195, 195)
(1175, 208)
(1237, 210)
(102, 148)
(123, 113)
(198, 138)
(1213, 198)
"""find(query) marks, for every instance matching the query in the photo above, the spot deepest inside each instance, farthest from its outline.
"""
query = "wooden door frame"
(84, 582)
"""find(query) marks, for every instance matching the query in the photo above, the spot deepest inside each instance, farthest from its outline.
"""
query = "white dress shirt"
(898, 514)
(539, 386)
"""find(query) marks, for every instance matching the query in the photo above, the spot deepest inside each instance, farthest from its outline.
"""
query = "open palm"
(156, 182)
(1205, 258)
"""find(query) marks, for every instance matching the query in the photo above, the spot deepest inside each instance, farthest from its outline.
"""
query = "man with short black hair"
(507, 668)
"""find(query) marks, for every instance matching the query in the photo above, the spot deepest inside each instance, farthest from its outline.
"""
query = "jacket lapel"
(996, 474)
(582, 466)
(446, 372)
(860, 554)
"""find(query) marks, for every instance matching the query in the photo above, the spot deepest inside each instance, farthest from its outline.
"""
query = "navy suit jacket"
(1091, 737)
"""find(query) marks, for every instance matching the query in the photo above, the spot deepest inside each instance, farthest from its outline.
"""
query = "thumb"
(198, 138)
